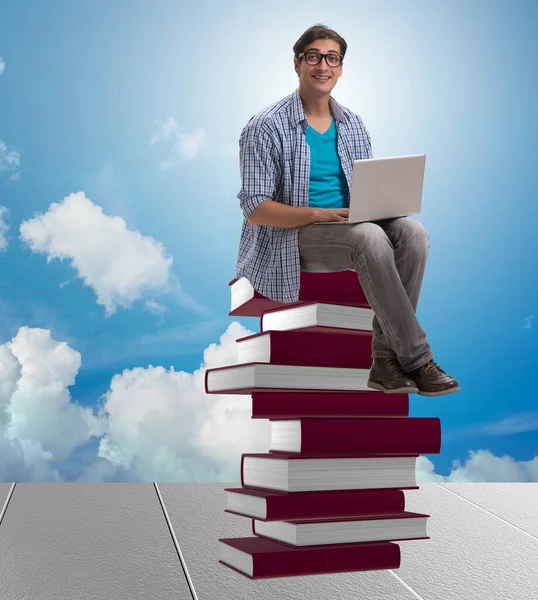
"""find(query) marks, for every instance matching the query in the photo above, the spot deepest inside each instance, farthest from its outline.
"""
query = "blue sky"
(119, 125)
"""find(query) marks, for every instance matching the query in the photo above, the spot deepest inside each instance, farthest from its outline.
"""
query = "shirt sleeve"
(260, 167)
(364, 138)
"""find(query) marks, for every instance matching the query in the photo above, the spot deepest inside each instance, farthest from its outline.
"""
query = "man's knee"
(411, 231)
(369, 237)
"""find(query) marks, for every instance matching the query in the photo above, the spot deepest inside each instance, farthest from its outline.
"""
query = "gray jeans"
(389, 257)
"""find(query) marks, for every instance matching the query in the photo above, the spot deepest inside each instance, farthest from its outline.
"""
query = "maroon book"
(247, 378)
(341, 287)
(356, 436)
(295, 533)
(312, 472)
(303, 348)
(266, 558)
(318, 317)
(276, 506)
(327, 405)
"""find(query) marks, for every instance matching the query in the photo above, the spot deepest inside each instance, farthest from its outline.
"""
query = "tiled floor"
(145, 541)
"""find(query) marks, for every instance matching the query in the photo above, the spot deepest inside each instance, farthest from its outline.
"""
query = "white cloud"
(9, 161)
(2, 66)
(120, 265)
(188, 146)
(153, 424)
(4, 228)
(481, 466)
(38, 421)
(162, 426)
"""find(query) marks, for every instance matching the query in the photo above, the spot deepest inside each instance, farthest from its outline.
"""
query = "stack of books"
(328, 497)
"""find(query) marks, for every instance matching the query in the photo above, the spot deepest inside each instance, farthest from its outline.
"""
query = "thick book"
(253, 377)
(311, 473)
(340, 287)
(417, 435)
(276, 506)
(329, 405)
(389, 528)
(257, 558)
(300, 348)
(320, 318)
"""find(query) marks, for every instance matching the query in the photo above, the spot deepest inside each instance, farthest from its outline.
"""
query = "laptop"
(385, 188)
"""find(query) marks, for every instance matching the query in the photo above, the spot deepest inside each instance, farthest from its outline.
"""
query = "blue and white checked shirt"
(275, 165)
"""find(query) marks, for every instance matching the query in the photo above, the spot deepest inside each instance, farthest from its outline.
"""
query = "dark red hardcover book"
(272, 559)
(420, 435)
(304, 348)
(327, 405)
(362, 323)
(405, 515)
(341, 287)
(257, 368)
(323, 505)
(290, 457)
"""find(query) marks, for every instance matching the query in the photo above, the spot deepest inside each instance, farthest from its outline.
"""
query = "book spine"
(349, 405)
(325, 505)
(319, 560)
(373, 436)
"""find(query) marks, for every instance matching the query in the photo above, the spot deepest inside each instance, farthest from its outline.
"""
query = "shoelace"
(393, 367)
(433, 366)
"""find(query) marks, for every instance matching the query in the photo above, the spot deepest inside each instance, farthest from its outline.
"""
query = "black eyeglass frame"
(321, 57)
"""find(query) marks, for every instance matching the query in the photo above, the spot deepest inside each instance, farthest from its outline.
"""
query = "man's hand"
(331, 214)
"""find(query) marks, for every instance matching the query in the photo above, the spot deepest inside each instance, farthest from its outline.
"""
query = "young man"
(296, 160)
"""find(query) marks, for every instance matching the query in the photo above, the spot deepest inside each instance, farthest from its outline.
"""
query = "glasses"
(314, 58)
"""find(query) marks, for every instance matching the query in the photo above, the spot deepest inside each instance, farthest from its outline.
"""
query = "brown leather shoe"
(386, 375)
(431, 380)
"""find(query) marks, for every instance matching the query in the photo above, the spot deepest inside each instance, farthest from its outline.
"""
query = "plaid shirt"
(275, 165)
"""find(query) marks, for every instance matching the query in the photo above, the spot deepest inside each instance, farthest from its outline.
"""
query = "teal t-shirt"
(328, 186)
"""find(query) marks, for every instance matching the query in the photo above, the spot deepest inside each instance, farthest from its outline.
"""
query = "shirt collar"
(297, 112)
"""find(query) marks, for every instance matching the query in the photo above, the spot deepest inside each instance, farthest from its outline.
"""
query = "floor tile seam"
(535, 538)
(176, 543)
(6, 503)
(406, 586)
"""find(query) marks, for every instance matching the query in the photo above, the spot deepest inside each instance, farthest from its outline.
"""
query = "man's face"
(321, 78)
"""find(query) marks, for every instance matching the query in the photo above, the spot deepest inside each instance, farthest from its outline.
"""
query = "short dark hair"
(318, 32)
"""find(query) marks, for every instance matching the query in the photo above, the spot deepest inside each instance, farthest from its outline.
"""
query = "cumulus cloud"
(162, 426)
(481, 466)
(153, 424)
(120, 265)
(39, 423)
(2, 66)
(4, 228)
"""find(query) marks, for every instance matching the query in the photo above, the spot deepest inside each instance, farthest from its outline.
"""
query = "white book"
(318, 314)
(247, 377)
(407, 526)
(241, 292)
(301, 474)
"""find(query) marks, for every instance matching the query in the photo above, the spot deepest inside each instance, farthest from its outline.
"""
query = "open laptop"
(385, 188)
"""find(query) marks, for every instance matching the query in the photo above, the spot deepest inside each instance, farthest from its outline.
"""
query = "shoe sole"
(441, 392)
(403, 390)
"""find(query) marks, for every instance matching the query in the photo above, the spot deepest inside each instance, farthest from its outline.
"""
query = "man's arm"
(277, 214)
(260, 175)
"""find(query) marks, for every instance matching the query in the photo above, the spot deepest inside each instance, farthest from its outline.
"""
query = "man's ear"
(296, 65)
